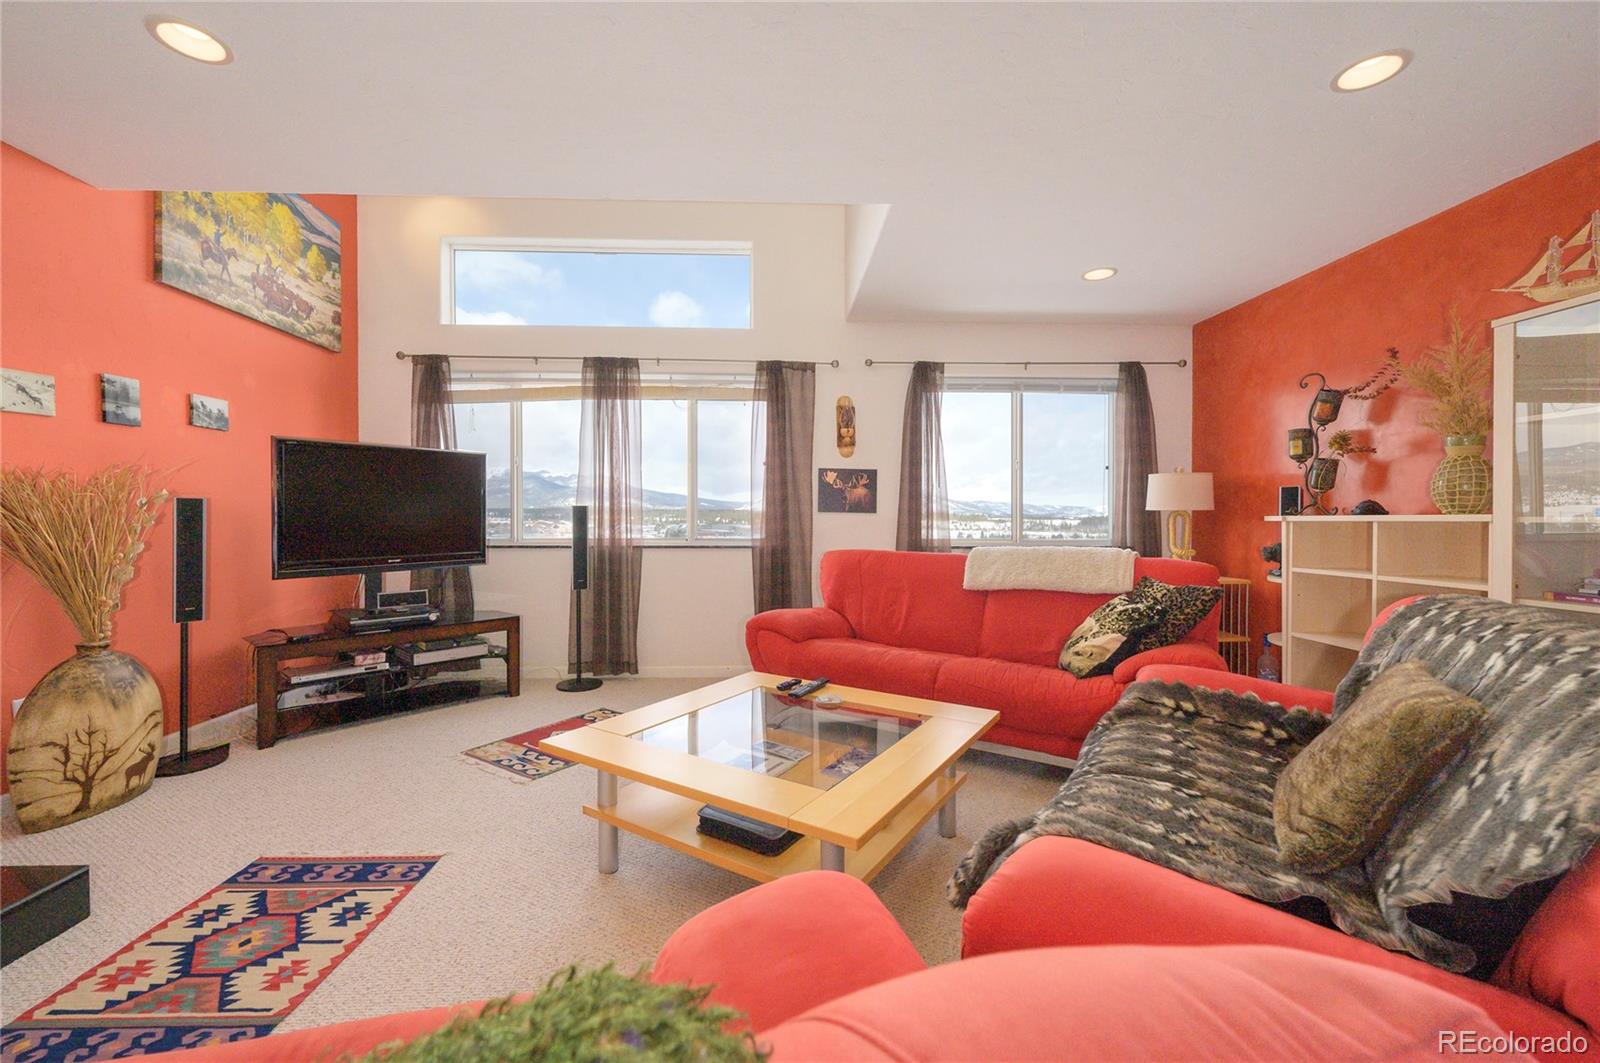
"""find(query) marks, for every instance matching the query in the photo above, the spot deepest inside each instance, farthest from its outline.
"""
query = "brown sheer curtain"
(611, 484)
(924, 520)
(433, 424)
(783, 423)
(1134, 459)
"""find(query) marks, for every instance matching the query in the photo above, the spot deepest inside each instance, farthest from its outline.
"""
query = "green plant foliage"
(582, 1018)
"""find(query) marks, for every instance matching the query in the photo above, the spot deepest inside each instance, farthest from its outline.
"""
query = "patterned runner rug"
(228, 967)
(520, 754)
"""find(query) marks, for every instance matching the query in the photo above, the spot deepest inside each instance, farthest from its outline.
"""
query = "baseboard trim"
(1018, 753)
(666, 671)
(239, 723)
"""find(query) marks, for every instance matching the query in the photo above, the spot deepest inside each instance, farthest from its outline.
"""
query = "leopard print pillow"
(1106, 637)
(1180, 608)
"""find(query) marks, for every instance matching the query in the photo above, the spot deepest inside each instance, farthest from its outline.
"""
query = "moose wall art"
(275, 258)
(847, 490)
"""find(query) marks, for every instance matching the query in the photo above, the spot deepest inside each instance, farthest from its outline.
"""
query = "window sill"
(1031, 544)
(647, 545)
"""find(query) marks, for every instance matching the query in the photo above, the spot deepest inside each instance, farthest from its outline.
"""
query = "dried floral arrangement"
(79, 536)
(1382, 379)
(1456, 375)
(1343, 444)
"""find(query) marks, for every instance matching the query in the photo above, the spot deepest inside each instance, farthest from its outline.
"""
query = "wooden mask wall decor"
(844, 412)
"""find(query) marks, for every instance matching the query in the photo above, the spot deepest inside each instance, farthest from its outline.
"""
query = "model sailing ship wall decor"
(1568, 267)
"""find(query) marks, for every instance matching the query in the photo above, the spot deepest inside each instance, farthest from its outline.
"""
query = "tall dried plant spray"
(1456, 374)
(80, 536)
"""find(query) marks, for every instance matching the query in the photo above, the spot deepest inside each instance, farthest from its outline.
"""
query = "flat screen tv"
(356, 507)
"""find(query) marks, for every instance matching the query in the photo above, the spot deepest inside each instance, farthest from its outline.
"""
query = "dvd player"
(385, 618)
(321, 673)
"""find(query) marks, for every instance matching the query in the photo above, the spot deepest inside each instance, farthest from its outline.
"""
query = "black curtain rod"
(536, 359)
(1180, 363)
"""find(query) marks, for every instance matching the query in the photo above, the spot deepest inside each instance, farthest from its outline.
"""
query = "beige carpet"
(516, 895)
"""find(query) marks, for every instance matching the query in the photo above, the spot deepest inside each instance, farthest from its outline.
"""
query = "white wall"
(695, 601)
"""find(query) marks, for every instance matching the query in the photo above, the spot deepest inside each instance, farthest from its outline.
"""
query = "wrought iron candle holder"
(1305, 444)
(1325, 407)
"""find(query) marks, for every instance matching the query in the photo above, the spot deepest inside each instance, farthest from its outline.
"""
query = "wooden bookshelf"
(1339, 572)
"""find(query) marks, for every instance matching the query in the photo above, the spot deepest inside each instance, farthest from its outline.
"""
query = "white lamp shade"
(1179, 490)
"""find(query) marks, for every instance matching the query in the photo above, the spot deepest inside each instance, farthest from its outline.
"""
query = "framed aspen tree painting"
(271, 257)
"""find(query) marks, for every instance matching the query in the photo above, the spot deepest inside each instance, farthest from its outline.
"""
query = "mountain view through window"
(543, 483)
(1024, 466)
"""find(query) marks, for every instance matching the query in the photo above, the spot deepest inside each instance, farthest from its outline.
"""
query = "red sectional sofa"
(902, 623)
(825, 973)
(1062, 891)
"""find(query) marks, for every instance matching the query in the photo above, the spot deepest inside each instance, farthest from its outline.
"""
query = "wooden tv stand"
(272, 648)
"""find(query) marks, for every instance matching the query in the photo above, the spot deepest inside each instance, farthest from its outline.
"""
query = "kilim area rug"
(228, 967)
(520, 754)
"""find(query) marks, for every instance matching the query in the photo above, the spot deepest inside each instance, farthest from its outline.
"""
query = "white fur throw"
(1078, 569)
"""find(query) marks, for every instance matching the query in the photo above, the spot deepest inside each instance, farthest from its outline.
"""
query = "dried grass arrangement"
(79, 536)
(1456, 375)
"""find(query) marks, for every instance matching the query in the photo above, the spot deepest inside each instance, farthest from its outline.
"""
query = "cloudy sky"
(582, 288)
(1064, 447)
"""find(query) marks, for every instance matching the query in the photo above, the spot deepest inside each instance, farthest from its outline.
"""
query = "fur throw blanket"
(1521, 804)
(1183, 777)
(1077, 569)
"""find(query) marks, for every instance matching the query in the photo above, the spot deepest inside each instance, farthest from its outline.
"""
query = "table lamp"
(1180, 494)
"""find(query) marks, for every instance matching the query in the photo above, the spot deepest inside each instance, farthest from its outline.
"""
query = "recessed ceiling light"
(1371, 71)
(189, 40)
(1104, 273)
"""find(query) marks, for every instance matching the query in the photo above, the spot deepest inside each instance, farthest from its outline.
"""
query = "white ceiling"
(1197, 147)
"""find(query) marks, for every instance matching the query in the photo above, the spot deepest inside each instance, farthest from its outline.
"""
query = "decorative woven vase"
(1461, 482)
(85, 739)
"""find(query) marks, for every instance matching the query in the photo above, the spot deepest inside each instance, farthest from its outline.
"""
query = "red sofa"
(1060, 891)
(825, 973)
(901, 622)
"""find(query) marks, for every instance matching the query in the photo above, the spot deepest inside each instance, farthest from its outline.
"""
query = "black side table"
(37, 902)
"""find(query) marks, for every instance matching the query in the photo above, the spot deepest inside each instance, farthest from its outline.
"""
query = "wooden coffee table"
(857, 779)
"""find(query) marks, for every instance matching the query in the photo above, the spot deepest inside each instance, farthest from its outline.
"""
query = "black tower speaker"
(580, 548)
(580, 583)
(188, 560)
(188, 604)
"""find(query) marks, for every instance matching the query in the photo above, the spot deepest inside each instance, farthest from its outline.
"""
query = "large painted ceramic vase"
(1461, 483)
(85, 739)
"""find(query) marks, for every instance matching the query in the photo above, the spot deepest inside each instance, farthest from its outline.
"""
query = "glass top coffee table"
(856, 779)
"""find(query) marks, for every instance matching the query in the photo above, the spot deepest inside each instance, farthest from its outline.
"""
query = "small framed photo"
(847, 490)
(207, 412)
(119, 400)
(1289, 501)
(23, 392)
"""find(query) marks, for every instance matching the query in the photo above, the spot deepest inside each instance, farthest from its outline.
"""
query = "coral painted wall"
(79, 299)
(1338, 320)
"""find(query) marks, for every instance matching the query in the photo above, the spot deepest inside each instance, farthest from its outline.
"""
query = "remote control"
(789, 684)
(810, 687)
